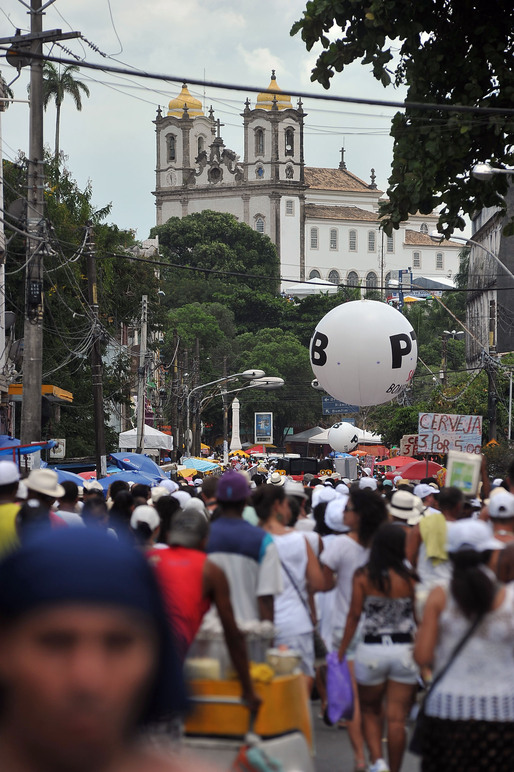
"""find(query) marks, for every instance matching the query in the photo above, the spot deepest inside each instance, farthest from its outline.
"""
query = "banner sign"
(333, 406)
(263, 428)
(409, 445)
(441, 432)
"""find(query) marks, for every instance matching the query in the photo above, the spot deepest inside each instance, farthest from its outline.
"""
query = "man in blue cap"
(246, 554)
(86, 657)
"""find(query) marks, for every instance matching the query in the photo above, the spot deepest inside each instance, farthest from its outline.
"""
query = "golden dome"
(265, 99)
(176, 106)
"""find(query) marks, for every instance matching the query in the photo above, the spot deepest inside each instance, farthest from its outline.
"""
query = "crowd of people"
(102, 597)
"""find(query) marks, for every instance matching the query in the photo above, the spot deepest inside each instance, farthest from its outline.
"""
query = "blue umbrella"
(63, 475)
(129, 476)
(138, 461)
(199, 464)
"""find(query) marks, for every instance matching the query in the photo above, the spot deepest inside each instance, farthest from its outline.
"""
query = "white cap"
(472, 535)
(367, 470)
(501, 506)
(423, 490)
(324, 495)
(182, 497)
(334, 514)
(368, 482)
(295, 488)
(197, 505)
(158, 492)
(9, 473)
(145, 514)
(170, 485)
(93, 485)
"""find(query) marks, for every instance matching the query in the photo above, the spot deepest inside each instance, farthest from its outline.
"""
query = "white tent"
(153, 439)
(311, 287)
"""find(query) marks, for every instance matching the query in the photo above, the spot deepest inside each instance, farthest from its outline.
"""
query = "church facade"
(324, 222)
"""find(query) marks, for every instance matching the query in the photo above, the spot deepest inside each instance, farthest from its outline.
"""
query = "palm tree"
(56, 84)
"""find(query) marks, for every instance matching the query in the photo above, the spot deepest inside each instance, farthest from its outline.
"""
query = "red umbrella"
(396, 461)
(87, 475)
(416, 470)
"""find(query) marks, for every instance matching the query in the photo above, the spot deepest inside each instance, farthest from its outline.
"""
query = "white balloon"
(342, 437)
(364, 352)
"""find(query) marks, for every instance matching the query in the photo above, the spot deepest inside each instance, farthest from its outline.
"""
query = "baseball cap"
(182, 497)
(145, 514)
(322, 495)
(9, 473)
(368, 482)
(232, 486)
(93, 485)
(423, 489)
(472, 535)
(502, 505)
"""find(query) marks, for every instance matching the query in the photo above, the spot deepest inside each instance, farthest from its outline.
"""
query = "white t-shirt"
(344, 556)
(291, 616)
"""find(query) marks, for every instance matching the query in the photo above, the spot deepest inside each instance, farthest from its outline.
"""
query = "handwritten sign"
(441, 432)
(409, 445)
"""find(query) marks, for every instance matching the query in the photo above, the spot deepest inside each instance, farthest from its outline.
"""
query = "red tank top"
(179, 571)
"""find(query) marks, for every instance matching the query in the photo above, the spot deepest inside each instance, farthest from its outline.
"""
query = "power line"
(422, 106)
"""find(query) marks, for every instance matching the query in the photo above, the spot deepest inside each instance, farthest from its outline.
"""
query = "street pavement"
(333, 749)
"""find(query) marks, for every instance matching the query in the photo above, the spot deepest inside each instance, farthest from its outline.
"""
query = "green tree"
(447, 53)
(56, 84)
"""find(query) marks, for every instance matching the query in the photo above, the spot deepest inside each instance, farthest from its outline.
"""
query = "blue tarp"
(199, 464)
(138, 461)
(10, 444)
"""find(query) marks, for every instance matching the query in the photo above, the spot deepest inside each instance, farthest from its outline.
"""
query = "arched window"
(371, 280)
(201, 144)
(314, 274)
(333, 238)
(388, 278)
(259, 141)
(172, 147)
(314, 238)
(439, 261)
(371, 241)
(416, 259)
(423, 227)
(390, 244)
(289, 141)
(334, 277)
(352, 241)
(352, 279)
(259, 224)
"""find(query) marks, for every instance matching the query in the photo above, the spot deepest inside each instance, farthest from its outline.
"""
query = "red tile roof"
(336, 179)
(418, 239)
(339, 213)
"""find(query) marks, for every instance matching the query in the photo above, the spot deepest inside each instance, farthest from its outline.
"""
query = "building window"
(290, 207)
(259, 172)
(416, 259)
(201, 144)
(387, 278)
(390, 244)
(334, 277)
(172, 147)
(259, 141)
(424, 228)
(352, 279)
(314, 274)
(314, 238)
(439, 261)
(289, 142)
(371, 280)
(259, 224)
(371, 241)
(333, 238)
(352, 241)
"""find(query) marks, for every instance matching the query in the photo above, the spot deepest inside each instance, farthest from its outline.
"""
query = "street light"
(248, 375)
(438, 238)
(266, 384)
(485, 171)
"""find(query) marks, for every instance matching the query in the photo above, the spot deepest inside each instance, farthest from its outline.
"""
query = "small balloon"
(342, 437)
(364, 352)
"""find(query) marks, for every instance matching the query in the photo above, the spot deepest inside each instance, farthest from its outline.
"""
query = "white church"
(324, 222)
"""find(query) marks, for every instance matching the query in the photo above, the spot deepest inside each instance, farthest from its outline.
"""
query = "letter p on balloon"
(401, 345)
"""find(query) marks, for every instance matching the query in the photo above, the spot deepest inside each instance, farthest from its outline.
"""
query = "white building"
(323, 222)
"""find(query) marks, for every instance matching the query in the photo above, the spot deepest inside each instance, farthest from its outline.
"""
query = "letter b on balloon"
(364, 352)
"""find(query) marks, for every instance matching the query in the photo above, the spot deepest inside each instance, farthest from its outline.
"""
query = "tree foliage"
(446, 52)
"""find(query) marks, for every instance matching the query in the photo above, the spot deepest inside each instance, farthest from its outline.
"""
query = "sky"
(111, 142)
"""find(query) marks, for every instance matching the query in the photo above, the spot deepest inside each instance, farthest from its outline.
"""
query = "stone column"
(235, 442)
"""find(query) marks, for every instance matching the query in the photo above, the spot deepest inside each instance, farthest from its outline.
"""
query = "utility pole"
(19, 56)
(141, 383)
(96, 359)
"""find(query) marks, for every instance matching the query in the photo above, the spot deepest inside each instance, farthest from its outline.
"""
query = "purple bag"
(339, 689)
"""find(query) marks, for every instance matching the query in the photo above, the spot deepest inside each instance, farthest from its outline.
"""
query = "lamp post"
(485, 171)
(268, 383)
(249, 375)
